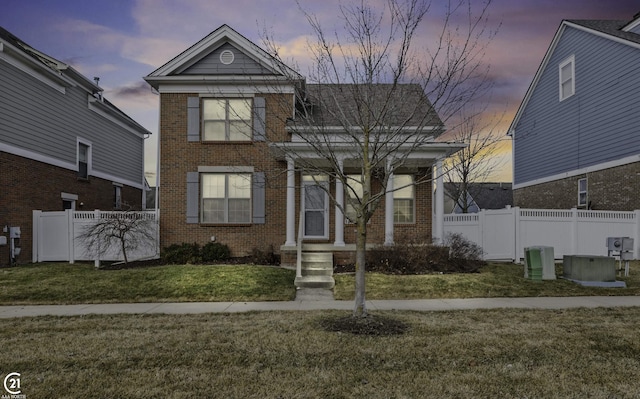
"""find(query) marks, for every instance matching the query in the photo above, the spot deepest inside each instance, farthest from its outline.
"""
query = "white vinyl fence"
(56, 237)
(503, 234)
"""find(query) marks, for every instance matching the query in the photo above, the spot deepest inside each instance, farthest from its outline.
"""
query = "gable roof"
(610, 29)
(203, 48)
(63, 74)
(332, 105)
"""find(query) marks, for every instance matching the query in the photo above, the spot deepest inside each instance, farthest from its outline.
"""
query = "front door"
(315, 202)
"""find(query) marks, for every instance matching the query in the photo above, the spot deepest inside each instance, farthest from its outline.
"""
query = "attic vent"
(226, 57)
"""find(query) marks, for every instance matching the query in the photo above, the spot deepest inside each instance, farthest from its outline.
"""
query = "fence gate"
(51, 240)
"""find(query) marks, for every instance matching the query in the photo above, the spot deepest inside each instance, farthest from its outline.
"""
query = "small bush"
(408, 256)
(215, 251)
(407, 259)
(267, 257)
(179, 254)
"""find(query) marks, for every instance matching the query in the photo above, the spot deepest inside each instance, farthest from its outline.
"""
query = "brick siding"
(614, 189)
(29, 185)
(178, 156)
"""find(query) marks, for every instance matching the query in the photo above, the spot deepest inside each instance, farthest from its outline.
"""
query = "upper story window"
(84, 160)
(117, 196)
(582, 192)
(567, 78)
(403, 199)
(227, 119)
(226, 198)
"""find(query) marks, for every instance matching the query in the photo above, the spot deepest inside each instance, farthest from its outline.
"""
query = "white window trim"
(227, 138)
(571, 60)
(396, 188)
(73, 198)
(87, 143)
(585, 191)
(226, 198)
(320, 180)
(117, 193)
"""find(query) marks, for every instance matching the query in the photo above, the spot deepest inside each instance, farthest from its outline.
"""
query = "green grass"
(494, 280)
(578, 353)
(62, 283)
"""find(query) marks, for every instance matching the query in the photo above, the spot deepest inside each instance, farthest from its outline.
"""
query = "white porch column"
(388, 208)
(291, 203)
(339, 216)
(438, 222)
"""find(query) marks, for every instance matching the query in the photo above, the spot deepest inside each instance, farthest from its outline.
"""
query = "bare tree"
(476, 162)
(381, 100)
(126, 230)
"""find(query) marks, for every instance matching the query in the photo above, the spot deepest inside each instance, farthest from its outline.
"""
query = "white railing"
(504, 233)
(299, 248)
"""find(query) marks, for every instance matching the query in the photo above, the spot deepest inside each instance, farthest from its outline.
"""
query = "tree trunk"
(360, 309)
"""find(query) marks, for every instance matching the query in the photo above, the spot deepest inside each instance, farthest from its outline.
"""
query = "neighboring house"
(479, 196)
(62, 145)
(576, 135)
(223, 175)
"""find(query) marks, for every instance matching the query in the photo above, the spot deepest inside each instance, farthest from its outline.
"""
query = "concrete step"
(326, 282)
(316, 271)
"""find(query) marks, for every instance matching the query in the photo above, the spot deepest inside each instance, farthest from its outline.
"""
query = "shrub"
(404, 258)
(267, 257)
(464, 255)
(184, 253)
(408, 256)
(215, 251)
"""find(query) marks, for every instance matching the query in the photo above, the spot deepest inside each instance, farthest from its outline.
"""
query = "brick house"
(576, 135)
(237, 168)
(62, 144)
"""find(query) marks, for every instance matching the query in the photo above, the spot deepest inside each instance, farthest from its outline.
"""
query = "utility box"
(589, 268)
(539, 263)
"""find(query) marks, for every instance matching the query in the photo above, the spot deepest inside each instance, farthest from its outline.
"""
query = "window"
(84, 157)
(354, 191)
(227, 119)
(403, 199)
(582, 192)
(226, 198)
(567, 78)
(117, 197)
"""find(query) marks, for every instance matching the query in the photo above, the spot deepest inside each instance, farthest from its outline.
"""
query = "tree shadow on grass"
(368, 325)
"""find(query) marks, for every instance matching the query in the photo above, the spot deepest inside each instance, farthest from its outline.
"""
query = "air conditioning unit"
(539, 263)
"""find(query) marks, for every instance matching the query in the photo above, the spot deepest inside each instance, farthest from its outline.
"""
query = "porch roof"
(411, 154)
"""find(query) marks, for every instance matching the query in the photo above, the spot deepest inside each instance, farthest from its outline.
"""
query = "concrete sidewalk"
(425, 305)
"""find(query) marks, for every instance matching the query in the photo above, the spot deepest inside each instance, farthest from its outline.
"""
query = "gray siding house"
(576, 135)
(62, 144)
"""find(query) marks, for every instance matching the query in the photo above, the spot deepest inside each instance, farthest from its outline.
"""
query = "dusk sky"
(123, 40)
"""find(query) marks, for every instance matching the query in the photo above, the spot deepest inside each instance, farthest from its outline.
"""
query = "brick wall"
(615, 189)
(178, 156)
(29, 185)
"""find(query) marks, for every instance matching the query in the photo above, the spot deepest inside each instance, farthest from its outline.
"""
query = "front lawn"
(62, 283)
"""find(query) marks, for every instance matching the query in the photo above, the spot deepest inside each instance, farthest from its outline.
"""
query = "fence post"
(34, 235)
(481, 226)
(516, 231)
(636, 239)
(96, 261)
(574, 231)
(72, 235)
